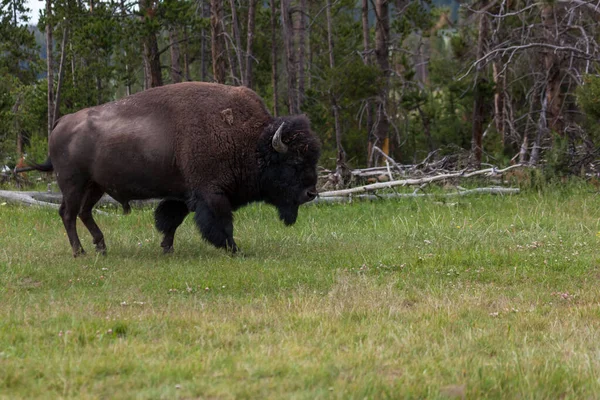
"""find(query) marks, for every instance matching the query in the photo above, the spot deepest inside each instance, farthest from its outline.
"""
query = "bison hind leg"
(68, 213)
(168, 216)
(69, 219)
(91, 196)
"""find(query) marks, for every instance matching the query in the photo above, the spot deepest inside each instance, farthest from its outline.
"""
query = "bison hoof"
(78, 252)
(101, 248)
(168, 250)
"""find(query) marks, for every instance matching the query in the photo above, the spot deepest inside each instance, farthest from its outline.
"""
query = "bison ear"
(277, 142)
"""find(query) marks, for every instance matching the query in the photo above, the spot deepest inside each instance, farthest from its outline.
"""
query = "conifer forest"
(495, 81)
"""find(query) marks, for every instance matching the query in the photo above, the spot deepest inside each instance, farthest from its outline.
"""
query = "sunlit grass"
(478, 296)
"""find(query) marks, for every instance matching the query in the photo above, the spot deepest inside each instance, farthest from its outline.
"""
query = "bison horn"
(277, 143)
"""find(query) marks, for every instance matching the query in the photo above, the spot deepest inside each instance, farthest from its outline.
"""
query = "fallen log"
(24, 198)
(463, 192)
(52, 199)
(416, 181)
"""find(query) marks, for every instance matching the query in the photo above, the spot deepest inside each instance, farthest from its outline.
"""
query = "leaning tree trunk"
(478, 105)
(288, 42)
(49, 66)
(382, 37)
(175, 55)
(61, 72)
(218, 55)
(247, 81)
(274, 76)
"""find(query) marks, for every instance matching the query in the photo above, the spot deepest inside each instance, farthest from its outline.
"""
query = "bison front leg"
(214, 218)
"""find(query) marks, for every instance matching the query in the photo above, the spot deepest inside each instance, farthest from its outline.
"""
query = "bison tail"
(46, 166)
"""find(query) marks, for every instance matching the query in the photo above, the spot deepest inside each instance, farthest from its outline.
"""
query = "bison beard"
(203, 148)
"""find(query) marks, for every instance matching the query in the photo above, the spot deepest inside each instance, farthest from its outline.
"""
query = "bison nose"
(311, 194)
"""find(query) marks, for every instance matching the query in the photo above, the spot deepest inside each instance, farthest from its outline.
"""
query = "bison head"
(288, 155)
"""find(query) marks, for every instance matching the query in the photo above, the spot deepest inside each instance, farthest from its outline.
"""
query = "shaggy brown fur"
(203, 147)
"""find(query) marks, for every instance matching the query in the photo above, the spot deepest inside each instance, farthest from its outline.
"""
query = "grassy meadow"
(471, 297)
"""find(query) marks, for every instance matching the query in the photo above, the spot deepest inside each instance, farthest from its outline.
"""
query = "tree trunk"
(249, 41)
(382, 36)
(553, 70)
(309, 53)
(72, 65)
(236, 70)
(542, 130)
(175, 55)
(186, 55)
(152, 70)
(524, 150)
(230, 57)
(61, 72)
(49, 66)
(301, 19)
(288, 42)
(203, 63)
(499, 83)
(426, 128)
(340, 168)
(216, 33)
(274, 76)
(478, 106)
(15, 112)
(366, 59)
(99, 98)
(127, 73)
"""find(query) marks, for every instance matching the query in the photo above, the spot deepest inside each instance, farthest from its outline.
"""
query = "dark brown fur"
(202, 147)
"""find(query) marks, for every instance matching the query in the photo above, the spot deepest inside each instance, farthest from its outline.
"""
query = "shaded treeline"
(504, 79)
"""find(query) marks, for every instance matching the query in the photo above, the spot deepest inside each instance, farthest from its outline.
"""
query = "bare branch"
(514, 49)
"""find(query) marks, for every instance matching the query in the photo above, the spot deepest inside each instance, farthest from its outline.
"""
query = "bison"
(200, 147)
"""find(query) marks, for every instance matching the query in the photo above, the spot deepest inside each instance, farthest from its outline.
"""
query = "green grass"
(483, 297)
